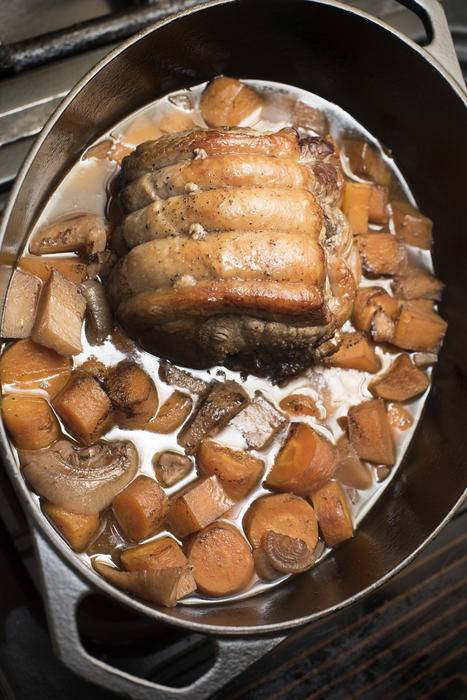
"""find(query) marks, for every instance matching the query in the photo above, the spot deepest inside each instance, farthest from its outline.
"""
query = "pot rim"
(37, 520)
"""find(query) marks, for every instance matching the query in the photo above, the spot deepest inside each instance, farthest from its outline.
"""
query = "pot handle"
(62, 591)
(440, 44)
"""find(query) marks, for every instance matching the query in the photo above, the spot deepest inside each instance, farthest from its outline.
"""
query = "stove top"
(407, 640)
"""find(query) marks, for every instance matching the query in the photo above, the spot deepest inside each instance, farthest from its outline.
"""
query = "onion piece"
(289, 555)
(80, 479)
(99, 321)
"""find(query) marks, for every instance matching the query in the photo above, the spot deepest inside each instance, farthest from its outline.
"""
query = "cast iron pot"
(402, 94)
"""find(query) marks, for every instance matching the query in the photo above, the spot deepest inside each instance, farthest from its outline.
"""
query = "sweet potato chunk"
(369, 432)
(171, 467)
(73, 269)
(27, 366)
(84, 407)
(381, 254)
(60, 316)
(227, 102)
(355, 205)
(283, 513)
(417, 283)
(355, 352)
(141, 507)
(237, 470)
(411, 225)
(198, 506)
(172, 413)
(76, 528)
(157, 554)
(378, 205)
(365, 161)
(19, 313)
(333, 514)
(258, 422)
(221, 559)
(419, 330)
(133, 395)
(402, 381)
(305, 461)
(350, 470)
(30, 421)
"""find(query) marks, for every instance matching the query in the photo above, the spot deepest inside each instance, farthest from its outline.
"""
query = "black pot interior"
(403, 99)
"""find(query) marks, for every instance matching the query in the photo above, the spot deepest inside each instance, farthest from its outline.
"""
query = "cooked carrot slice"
(369, 432)
(381, 254)
(227, 102)
(27, 366)
(402, 381)
(133, 394)
(355, 205)
(284, 513)
(141, 507)
(198, 506)
(73, 269)
(419, 330)
(172, 413)
(221, 559)
(306, 460)
(237, 470)
(30, 421)
(417, 283)
(157, 554)
(84, 407)
(378, 205)
(333, 514)
(300, 405)
(411, 225)
(76, 528)
(95, 368)
(355, 352)
(365, 161)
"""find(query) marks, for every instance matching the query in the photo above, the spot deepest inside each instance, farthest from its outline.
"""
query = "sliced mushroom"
(80, 479)
(171, 467)
(289, 555)
(99, 322)
(263, 566)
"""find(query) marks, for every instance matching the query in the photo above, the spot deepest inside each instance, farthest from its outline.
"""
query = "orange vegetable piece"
(355, 205)
(399, 417)
(172, 413)
(133, 394)
(369, 432)
(84, 407)
(417, 283)
(237, 470)
(411, 225)
(73, 269)
(141, 507)
(333, 514)
(378, 205)
(402, 381)
(381, 254)
(30, 421)
(376, 312)
(299, 405)
(76, 528)
(221, 559)
(365, 161)
(355, 352)
(305, 461)
(27, 366)
(198, 506)
(419, 330)
(157, 554)
(284, 513)
(227, 102)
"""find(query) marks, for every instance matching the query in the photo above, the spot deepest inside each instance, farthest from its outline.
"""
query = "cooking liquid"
(85, 189)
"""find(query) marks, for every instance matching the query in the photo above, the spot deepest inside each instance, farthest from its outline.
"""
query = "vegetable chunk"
(221, 559)
(381, 254)
(76, 528)
(350, 470)
(258, 422)
(171, 467)
(87, 233)
(73, 269)
(417, 283)
(365, 161)
(411, 225)
(375, 312)
(27, 366)
(60, 316)
(355, 205)
(419, 330)
(401, 382)
(84, 407)
(157, 554)
(355, 352)
(172, 413)
(283, 513)
(227, 102)
(133, 395)
(237, 470)
(369, 432)
(20, 305)
(30, 421)
(378, 205)
(198, 506)
(305, 461)
(141, 507)
(333, 514)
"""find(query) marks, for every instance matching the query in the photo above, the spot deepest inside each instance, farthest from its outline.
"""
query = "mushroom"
(99, 322)
(170, 467)
(289, 555)
(80, 479)
(263, 566)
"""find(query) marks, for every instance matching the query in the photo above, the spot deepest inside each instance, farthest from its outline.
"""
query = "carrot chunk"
(283, 513)
(416, 283)
(419, 330)
(172, 413)
(402, 381)
(355, 205)
(19, 312)
(237, 470)
(378, 205)
(76, 528)
(133, 394)
(198, 506)
(333, 514)
(365, 161)
(141, 507)
(355, 352)
(30, 421)
(381, 254)
(369, 432)
(60, 315)
(84, 407)
(73, 269)
(221, 559)
(157, 554)
(227, 102)
(27, 366)
(411, 225)
(376, 312)
(305, 461)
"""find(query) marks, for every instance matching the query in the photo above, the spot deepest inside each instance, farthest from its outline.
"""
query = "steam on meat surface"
(236, 251)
